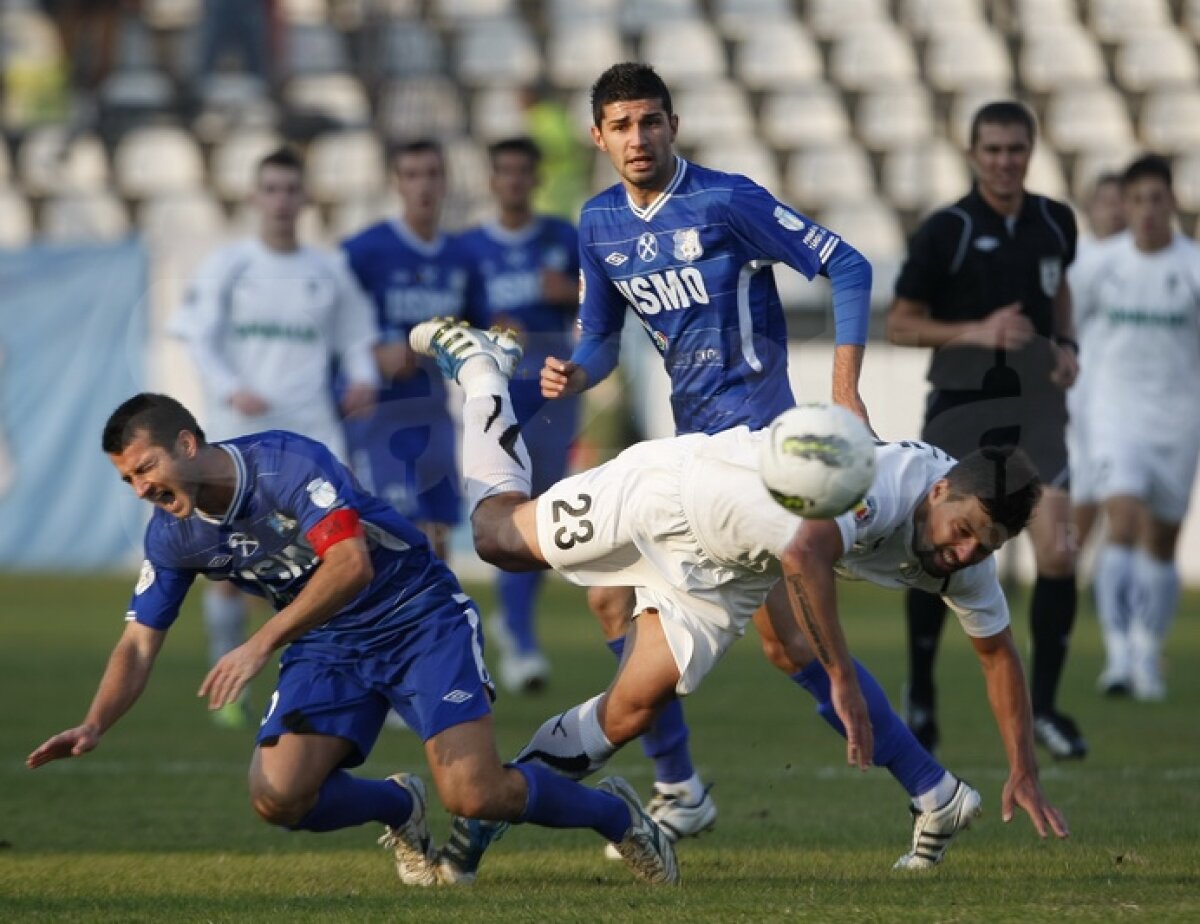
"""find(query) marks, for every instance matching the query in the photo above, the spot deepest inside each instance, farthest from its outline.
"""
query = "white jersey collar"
(655, 207)
(510, 237)
(420, 245)
(240, 489)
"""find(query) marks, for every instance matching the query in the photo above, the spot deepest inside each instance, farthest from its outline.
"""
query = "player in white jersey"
(1106, 216)
(688, 522)
(263, 319)
(1142, 420)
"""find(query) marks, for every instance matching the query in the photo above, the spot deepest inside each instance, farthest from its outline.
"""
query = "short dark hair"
(285, 157)
(1148, 166)
(419, 146)
(1004, 112)
(520, 145)
(1004, 480)
(625, 82)
(160, 416)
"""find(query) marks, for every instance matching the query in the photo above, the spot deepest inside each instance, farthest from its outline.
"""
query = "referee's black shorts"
(960, 423)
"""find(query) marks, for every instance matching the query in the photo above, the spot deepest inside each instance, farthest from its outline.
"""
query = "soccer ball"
(818, 460)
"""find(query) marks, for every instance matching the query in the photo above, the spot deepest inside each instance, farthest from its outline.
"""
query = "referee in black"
(984, 284)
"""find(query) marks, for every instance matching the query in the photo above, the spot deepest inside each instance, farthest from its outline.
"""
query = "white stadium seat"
(51, 161)
(830, 19)
(924, 18)
(1152, 58)
(967, 56)
(310, 228)
(1112, 21)
(684, 50)
(1170, 120)
(1092, 163)
(16, 220)
(746, 156)
(418, 106)
(170, 14)
(1095, 116)
(455, 13)
(1185, 171)
(494, 52)
(892, 115)
(920, 177)
(84, 218)
(713, 110)
(1033, 15)
(345, 165)
(1055, 57)
(409, 48)
(497, 112)
(157, 159)
(1046, 173)
(870, 54)
(637, 15)
(194, 215)
(350, 216)
(336, 96)
(872, 227)
(576, 57)
(235, 161)
(804, 116)
(303, 11)
(734, 18)
(827, 174)
(776, 53)
(313, 48)
(964, 106)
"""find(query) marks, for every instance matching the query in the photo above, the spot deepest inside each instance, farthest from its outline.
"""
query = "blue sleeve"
(309, 483)
(158, 594)
(598, 355)
(850, 277)
(771, 230)
(601, 318)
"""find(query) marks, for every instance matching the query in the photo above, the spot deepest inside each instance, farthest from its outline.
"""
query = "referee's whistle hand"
(1005, 328)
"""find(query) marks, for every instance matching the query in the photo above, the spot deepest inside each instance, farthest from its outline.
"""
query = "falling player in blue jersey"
(530, 269)
(369, 620)
(405, 451)
(690, 250)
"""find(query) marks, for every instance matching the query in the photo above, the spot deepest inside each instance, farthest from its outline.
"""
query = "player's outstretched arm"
(847, 369)
(1009, 698)
(124, 678)
(807, 565)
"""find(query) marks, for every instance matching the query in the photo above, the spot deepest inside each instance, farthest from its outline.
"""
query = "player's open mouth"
(949, 562)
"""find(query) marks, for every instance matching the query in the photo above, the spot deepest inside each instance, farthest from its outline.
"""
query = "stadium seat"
(684, 50)
(1152, 58)
(1056, 57)
(157, 159)
(964, 56)
(312, 48)
(873, 229)
(576, 57)
(468, 172)
(147, 91)
(350, 216)
(16, 220)
(1113, 21)
(1045, 174)
(713, 110)
(735, 18)
(495, 52)
(304, 12)
(338, 97)
(5, 165)
(776, 53)
(456, 13)
(746, 156)
(1185, 171)
(408, 48)
(170, 15)
(964, 106)
(84, 218)
(560, 15)
(51, 161)
(345, 165)
(924, 18)
(1091, 164)
(894, 114)
(195, 215)
(1033, 15)
(1190, 18)
(1084, 117)
(419, 106)
(804, 116)
(821, 176)
(235, 160)
(635, 15)
(232, 101)
(871, 54)
(831, 19)
(497, 113)
(310, 228)
(920, 177)
(1170, 120)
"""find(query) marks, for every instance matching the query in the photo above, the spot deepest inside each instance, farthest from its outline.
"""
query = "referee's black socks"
(1051, 616)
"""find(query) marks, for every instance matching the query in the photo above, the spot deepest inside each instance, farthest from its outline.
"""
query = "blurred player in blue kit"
(690, 251)
(530, 269)
(371, 619)
(404, 452)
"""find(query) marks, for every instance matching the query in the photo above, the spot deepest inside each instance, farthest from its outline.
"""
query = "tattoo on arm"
(800, 595)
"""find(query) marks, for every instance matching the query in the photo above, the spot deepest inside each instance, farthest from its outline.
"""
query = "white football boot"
(411, 843)
(934, 831)
(645, 848)
(452, 343)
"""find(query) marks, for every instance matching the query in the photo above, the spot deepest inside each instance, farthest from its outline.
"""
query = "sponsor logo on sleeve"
(686, 245)
(321, 493)
(788, 219)
(145, 578)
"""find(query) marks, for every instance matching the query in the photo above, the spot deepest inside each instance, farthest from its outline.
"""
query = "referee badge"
(1051, 275)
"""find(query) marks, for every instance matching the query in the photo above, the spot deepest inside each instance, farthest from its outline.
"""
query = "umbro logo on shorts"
(457, 696)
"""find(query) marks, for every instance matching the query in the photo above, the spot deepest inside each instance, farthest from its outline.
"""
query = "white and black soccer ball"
(818, 460)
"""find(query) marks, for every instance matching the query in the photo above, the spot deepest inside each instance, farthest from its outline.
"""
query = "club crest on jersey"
(1051, 275)
(321, 493)
(245, 545)
(145, 578)
(788, 219)
(616, 259)
(647, 247)
(686, 245)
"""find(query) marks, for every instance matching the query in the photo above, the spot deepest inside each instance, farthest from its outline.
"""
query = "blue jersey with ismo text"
(695, 267)
(286, 485)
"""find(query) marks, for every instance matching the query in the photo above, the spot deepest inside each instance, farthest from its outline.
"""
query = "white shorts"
(1159, 474)
(624, 524)
(1080, 460)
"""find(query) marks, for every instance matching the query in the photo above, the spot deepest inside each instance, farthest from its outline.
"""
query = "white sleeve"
(355, 331)
(978, 600)
(200, 322)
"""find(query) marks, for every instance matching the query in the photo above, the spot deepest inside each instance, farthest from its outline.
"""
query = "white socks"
(1116, 592)
(1157, 582)
(571, 744)
(225, 619)
(933, 799)
(494, 457)
(689, 791)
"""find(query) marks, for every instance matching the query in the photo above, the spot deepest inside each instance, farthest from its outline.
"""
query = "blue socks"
(895, 747)
(557, 802)
(346, 801)
(517, 594)
(666, 741)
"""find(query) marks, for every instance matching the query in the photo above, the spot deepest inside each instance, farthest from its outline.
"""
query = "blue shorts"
(435, 679)
(409, 460)
(548, 428)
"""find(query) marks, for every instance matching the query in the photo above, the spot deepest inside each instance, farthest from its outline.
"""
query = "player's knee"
(280, 809)
(613, 608)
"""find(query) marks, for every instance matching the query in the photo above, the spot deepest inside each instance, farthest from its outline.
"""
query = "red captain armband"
(339, 525)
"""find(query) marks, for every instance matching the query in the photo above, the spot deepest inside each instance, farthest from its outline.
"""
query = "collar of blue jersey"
(510, 237)
(241, 489)
(425, 248)
(654, 207)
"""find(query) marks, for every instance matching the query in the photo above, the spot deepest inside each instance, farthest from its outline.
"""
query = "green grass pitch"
(155, 825)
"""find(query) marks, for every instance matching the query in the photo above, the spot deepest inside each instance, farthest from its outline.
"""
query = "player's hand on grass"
(248, 403)
(230, 675)
(1025, 792)
(851, 708)
(73, 742)
(561, 377)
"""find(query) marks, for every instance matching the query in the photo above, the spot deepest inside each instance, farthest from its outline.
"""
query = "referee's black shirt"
(967, 260)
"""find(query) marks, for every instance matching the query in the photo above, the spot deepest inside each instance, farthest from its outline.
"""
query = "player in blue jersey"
(690, 250)
(371, 619)
(404, 451)
(530, 269)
